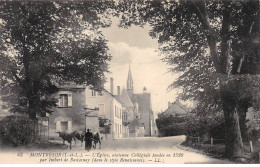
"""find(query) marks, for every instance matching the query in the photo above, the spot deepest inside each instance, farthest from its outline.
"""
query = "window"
(64, 126)
(64, 100)
(94, 93)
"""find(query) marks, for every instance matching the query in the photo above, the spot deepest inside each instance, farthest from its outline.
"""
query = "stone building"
(80, 108)
(69, 115)
(137, 107)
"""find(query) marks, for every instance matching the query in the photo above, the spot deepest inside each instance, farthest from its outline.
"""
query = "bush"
(17, 130)
(169, 125)
(212, 125)
(175, 129)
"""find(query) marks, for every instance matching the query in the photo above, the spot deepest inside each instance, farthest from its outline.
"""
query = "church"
(137, 110)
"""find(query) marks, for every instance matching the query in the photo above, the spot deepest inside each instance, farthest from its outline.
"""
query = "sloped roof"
(113, 96)
(143, 100)
(136, 122)
(69, 85)
(176, 109)
(125, 99)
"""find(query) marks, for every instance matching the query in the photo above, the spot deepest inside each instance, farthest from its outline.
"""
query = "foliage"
(45, 44)
(191, 125)
(169, 125)
(213, 45)
(253, 124)
(17, 130)
(216, 151)
(196, 126)
(184, 37)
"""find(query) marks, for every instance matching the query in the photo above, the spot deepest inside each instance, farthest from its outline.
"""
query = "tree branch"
(202, 14)
(226, 58)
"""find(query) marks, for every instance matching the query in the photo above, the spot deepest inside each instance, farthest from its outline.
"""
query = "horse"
(66, 137)
(96, 139)
(78, 135)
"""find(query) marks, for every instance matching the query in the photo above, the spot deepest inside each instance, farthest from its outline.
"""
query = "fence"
(200, 140)
(211, 140)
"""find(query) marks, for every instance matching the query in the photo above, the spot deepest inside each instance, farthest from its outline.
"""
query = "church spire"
(130, 83)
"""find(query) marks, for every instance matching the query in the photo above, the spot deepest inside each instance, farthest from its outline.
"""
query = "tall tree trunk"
(33, 106)
(242, 107)
(233, 139)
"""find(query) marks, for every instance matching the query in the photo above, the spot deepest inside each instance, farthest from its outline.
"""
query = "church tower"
(130, 83)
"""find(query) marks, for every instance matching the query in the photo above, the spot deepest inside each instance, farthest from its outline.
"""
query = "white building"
(110, 108)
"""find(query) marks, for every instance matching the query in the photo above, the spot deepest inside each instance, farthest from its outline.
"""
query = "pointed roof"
(129, 78)
(125, 99)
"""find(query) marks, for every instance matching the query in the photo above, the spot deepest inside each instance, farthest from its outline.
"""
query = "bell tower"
(130, 83)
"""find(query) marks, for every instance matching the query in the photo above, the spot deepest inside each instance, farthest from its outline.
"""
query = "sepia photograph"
(130, 82)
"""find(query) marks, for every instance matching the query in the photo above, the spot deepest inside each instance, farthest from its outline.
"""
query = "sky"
(134, 47)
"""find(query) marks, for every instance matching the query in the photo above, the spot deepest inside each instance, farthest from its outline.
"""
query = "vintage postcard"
(130, 82)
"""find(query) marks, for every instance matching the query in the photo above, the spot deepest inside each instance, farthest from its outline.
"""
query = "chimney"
(118, 90)
(111, 85)
(169, 104)
(144, 90)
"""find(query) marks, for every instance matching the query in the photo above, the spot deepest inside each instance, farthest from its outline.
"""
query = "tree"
(214, 45)
(44, 44)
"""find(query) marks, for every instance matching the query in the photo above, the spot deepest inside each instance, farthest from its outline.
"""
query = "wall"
(144, 103)
(108, 103)
(104, 100)
(92, 123)
(116, 119)
(75, 113)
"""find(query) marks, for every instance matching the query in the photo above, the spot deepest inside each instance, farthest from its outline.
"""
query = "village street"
(145, 145)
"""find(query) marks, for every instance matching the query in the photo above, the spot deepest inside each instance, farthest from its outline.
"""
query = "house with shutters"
(80, 108)
(69, 115)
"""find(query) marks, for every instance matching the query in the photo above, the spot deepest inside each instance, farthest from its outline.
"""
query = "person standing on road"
(88, 140)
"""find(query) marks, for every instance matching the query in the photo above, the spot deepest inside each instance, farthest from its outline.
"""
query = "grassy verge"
(218, 151)
(38, 145)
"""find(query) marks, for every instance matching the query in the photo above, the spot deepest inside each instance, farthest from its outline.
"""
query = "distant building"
(136, 128)
(176, 109)
(137, 107)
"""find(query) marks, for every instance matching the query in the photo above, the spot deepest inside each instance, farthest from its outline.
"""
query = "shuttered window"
(65, 100)
(58, 126)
